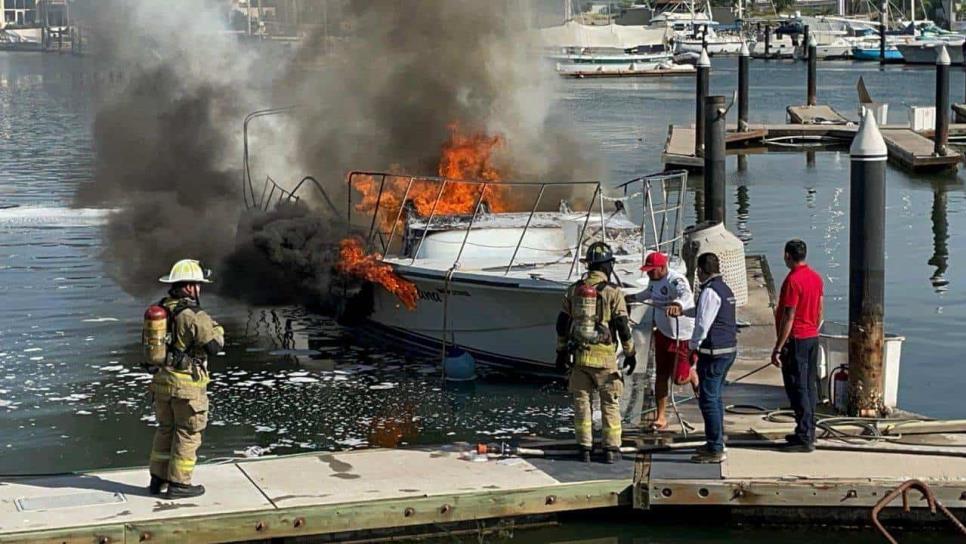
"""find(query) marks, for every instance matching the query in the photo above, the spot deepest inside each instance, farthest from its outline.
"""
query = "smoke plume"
(375, 88)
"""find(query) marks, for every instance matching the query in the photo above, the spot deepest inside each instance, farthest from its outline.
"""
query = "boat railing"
(402, 186)
(662, 195)
(273, 194)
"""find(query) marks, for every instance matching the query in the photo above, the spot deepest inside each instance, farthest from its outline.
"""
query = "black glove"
(563, 361)
(630, 363)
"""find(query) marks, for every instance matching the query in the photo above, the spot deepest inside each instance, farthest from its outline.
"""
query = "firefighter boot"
(583, 454)
(612, 455)
(183, 491)
(156, 485)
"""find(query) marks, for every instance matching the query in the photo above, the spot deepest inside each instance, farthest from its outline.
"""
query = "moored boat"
(491, 283)
(867, 52)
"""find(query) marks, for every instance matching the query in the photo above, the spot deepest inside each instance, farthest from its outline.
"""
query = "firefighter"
(593, 318)
(180, 381)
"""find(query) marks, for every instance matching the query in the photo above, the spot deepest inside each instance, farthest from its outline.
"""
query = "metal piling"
(701, 92)
(867, 268)
(941, 138)
(743, 60)
(812, 62)
(714, 159)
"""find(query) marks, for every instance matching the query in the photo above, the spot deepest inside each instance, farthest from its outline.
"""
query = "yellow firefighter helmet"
(187, 270)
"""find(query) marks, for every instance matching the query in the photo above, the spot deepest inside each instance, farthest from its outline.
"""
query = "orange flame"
(354, 262)
(462, 158)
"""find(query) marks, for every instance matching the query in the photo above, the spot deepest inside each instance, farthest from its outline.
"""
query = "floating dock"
(685, 70)
(379, 493)
(907, 148)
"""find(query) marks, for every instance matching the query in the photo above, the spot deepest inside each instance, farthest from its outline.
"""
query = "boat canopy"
(574, 34)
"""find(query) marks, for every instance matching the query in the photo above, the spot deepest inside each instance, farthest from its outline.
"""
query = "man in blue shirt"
(715, 339)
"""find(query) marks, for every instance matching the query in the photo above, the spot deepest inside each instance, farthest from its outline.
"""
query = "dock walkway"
(907, 148)
(356, 494)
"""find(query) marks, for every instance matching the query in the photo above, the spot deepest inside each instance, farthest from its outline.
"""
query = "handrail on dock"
(903, 489)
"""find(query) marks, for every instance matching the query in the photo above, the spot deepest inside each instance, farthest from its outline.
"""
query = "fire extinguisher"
(840, 388)
(585, 314)
(154, 335)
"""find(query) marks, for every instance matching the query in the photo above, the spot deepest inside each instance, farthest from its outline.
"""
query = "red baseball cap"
(654, 261)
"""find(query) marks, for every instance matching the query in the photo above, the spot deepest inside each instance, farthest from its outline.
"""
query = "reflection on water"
(940, 234)
(742, 213)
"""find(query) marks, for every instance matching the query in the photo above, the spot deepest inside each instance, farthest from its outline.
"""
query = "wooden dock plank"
(352, 491)
(679, 146)
(816, 115)
(228, 491)
(826, 464)
(773, 478)
(384, 474)
(913, 150)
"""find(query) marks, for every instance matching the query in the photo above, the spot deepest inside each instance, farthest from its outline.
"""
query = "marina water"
(72, 396)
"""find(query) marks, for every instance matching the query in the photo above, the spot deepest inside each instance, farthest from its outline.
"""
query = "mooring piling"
(812, 61)
(743, 60)
(941, 138)
(867, 268)
(964, 69)
(882, 32)
(701, 92)
(768, 42)
(714, 158)
(804, 41)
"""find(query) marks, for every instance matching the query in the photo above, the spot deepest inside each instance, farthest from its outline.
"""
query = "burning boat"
(483, 265)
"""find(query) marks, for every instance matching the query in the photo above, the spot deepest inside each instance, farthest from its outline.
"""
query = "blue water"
(71, 395)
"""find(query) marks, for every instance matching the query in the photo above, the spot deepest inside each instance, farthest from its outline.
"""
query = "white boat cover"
(574, 34)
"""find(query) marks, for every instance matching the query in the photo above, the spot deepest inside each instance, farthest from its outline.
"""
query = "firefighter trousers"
(609, 384)
(178, 436)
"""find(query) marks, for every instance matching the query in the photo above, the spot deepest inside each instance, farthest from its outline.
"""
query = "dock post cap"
(704, 61)
(942, 57)
(811, 40)
(868, 144)
(744, 49)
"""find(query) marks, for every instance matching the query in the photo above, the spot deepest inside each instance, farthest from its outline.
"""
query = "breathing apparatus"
(586, 326)
(156, 332)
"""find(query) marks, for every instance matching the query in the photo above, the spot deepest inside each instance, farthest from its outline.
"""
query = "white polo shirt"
(673, 287)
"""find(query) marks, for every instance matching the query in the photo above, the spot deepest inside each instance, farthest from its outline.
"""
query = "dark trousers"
(799, 360)
(712, 371)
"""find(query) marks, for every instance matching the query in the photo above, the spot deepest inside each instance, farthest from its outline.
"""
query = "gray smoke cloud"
(377, 89)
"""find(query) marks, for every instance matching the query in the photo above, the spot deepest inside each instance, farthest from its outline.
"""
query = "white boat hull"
(715, 46)
(665, 67)
(512, 327)
(919, 53)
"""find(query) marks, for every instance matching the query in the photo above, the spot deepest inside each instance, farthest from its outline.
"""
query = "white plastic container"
(833, 342)
(922, 118)
(879, 111)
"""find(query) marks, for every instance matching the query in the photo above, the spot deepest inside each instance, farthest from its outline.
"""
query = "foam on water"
(44, 216)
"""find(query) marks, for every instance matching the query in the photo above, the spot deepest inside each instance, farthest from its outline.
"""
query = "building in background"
(34, 24)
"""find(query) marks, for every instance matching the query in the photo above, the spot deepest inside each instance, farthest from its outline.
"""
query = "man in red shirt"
(797, 320)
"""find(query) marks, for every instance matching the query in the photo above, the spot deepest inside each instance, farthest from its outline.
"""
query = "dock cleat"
(183, 491)
(157, 485)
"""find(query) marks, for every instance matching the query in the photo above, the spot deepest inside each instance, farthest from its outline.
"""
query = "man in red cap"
(670, 294)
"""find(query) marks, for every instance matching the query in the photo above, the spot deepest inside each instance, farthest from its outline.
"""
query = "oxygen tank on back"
(154, 335)
(585, 314)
